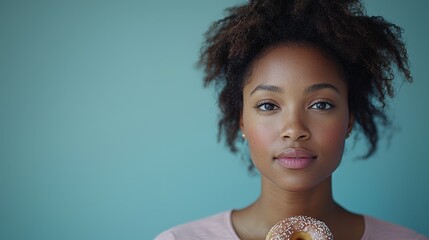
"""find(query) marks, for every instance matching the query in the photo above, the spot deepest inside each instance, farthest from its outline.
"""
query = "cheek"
(331, 137)
(260, 137)
(258, 132)
(333, 133)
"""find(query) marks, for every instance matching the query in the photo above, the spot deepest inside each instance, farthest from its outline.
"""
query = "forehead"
(294, 63)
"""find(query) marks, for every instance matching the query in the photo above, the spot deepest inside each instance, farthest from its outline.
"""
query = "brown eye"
(322, 105)
(267, 107)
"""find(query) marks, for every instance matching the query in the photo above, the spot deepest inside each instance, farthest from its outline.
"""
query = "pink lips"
(295, 158)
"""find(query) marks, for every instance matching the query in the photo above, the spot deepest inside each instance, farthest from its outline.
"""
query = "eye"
(322, 105)
(266, 106)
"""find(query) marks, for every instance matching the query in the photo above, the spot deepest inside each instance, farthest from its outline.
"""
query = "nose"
(295, 129)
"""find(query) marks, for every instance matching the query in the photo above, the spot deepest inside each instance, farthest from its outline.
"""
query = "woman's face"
(295, 116)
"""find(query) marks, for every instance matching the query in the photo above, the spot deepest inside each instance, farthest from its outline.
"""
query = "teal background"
(107, 133)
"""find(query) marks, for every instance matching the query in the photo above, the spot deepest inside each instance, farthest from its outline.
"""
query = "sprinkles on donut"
(300, 228)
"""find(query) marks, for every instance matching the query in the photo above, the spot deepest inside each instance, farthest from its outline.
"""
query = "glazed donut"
(300, 228)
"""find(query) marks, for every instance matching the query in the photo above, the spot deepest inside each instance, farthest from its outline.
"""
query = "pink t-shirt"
(219, 226)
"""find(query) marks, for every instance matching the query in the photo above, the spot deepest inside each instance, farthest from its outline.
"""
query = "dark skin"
(305, 107)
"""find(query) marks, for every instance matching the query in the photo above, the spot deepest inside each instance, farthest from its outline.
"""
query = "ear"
(351, 122)
(241, 121)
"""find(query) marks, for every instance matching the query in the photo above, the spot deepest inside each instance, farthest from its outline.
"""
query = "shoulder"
(214, 227)
(378, 229)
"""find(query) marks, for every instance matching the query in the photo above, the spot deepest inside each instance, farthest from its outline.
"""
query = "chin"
(297, 184)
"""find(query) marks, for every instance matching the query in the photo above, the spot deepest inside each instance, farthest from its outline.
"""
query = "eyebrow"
(320, 86)
(270, 88)
(312, 88)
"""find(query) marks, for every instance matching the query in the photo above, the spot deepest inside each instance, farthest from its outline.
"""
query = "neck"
(275, 204)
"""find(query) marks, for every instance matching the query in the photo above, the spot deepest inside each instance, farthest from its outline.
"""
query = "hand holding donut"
(300, 228)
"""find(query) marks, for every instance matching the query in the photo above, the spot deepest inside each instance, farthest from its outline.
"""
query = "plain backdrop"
(106, 131)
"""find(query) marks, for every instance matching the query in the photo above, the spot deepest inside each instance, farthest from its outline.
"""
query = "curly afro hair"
(366, 48)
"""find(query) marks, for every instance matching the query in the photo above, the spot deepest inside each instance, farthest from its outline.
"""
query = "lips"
(295, 158)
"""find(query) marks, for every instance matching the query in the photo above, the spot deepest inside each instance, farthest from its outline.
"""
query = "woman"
(296, 78)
